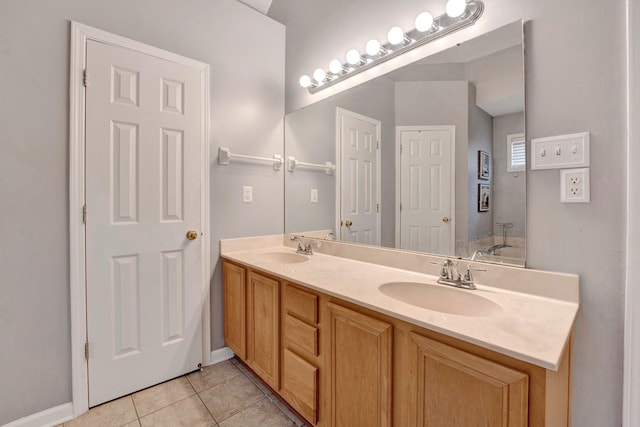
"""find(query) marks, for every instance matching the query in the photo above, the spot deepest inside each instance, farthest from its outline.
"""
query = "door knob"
(192, 235)
(445, 219)
(348, 223)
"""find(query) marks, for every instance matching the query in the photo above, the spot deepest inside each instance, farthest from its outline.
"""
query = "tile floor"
(226, 395)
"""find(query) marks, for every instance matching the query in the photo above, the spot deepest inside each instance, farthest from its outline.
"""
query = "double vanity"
(364, 336)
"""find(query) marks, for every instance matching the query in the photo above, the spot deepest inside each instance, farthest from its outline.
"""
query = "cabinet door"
(360, 369)
(263, 328)
(235, 309)
(452, 388)
(300, 385)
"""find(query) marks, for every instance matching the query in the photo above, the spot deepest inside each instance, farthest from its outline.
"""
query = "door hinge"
(85, 78)
(401, 148)
(84, 214)
(400, 207)
(86, 351)
(377, 207)
(377, 145)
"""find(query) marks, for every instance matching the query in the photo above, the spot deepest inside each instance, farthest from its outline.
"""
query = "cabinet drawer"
(299, 334)
(302, 304)
(300, 385)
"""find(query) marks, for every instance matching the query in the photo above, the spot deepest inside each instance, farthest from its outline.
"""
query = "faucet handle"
(447, 262)
(443, 273)
(468, 276)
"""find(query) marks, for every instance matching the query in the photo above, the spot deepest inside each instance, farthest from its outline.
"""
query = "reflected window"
(517, 152)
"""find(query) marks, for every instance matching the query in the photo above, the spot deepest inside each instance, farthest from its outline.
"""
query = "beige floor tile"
(162, 395)
(189, 412)
(116, 413)
(262, 414)
(135, 423)
(230, 397)
(212, 375)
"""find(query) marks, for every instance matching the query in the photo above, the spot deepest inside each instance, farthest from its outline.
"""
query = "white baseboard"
(60, 414)
(47, 418)
(220, 355)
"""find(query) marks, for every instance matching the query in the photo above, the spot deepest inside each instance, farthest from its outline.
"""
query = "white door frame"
(343, 112)
(452, 130)
(80, 33)
(631, 393)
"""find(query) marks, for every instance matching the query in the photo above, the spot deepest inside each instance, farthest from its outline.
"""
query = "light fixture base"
(442, 25)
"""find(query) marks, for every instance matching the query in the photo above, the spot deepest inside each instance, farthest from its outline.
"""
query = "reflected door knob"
(445, 219)
(348, 223)
(192, 235)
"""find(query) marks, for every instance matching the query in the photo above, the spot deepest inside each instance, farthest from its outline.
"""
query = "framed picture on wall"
(484, 191)
(484, 165)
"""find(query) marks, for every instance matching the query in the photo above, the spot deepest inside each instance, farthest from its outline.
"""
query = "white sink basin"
(441, 298)
(282, 257)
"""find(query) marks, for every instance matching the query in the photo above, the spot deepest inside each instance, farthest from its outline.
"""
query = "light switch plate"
(560, 152)
(314, 195)
(247, 194)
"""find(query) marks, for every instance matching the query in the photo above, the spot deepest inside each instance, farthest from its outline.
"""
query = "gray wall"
(441, 103)
(246, 54)
(632, 326)
(575, 77)
(509, 188)
(480, 139)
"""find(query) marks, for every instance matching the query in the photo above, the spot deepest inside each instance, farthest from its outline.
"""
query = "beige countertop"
(531, 328)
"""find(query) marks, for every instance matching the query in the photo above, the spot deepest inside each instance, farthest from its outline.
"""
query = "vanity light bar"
(377, 53)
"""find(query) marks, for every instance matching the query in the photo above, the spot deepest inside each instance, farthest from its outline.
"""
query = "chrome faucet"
(303, 247)
(449, 275)
(476, 254)
(495, 249)
(329, 236)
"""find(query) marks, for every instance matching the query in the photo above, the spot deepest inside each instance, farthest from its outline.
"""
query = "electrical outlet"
(574, 186)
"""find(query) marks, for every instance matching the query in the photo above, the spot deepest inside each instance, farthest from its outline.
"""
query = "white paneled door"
(359, 187)
(144, 220)
(426, 196)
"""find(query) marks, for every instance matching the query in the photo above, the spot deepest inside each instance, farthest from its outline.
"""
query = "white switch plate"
(247, 194)
(314, 195)
(560, 152)
(574, 186)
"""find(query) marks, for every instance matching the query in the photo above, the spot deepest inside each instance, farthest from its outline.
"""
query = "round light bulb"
(396, 35)
(455, 8)
(373, 47)
(305, 81)
(319, 75)
(424, 22)
(335, 66)
(353, 57)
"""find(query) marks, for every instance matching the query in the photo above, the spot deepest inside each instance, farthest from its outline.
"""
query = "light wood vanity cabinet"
(251, 320)
(263, 327)
(301, 351)
(339, 364)
(359, 369)
(235, 308)
(453, 388)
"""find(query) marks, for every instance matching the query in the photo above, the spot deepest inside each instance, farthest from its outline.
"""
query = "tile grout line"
(215, 420)
(271, 396)
(165, 407)
(135, 408)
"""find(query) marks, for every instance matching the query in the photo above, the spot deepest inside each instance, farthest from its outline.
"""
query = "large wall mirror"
(429, 157)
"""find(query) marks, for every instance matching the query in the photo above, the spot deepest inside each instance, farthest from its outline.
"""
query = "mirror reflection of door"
(358, 145)
(426, 171)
